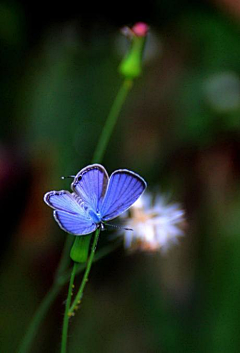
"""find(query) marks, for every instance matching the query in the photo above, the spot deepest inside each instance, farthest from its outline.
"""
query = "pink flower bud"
(140, 29)
(131, 66)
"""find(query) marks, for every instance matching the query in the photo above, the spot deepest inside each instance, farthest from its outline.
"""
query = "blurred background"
(179, 129)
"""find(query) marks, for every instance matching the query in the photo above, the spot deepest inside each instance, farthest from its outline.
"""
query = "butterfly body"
(96, 198)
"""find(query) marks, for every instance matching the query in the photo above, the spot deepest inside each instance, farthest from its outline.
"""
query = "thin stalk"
(37, 319)
(108, 249)
(66, 316)
(79, 295)
(111, 120)
(49, 298)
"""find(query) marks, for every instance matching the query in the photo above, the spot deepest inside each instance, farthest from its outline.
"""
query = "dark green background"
(58, 79)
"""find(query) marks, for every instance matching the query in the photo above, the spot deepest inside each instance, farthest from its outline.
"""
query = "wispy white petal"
(156, 225)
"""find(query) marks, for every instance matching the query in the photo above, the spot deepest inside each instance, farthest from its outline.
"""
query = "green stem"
(66, 316)
(58, 283)
(99, 255)
(49, 298)
(79, 295)
(111, 120)
(38, 317)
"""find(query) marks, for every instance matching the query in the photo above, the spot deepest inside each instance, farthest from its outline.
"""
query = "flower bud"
(131, 66)
(80, 248)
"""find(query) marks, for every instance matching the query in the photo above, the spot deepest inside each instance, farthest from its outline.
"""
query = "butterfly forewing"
(90, 185)
(63, 200)
(123, 190)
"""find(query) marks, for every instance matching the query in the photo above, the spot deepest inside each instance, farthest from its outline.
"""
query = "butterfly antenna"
(118, 227)
(68, 177)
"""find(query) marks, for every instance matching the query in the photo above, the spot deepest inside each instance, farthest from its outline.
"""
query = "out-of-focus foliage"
(179, 129)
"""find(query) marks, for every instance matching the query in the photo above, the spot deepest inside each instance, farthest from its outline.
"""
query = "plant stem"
(97, 158)
(66, 316)
(99, 255)
(111, 120)
(38, 317)
(79, 295)
(49, 298)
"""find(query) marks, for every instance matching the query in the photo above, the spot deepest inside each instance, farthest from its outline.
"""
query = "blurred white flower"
(156, 224)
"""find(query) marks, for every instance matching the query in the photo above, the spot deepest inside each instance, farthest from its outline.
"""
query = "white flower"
(156, 224)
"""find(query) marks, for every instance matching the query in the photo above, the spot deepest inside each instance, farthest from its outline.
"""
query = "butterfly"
(95, 199)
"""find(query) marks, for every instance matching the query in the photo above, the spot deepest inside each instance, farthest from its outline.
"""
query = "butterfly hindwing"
(73, 223)
(124, 188)
(90, 185)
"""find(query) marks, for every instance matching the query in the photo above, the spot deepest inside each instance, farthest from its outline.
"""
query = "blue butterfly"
(96, 198)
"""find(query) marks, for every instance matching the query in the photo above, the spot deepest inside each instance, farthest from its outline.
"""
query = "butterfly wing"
(90, 185)
(123, 190)
(70, 213)
(74, 224)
